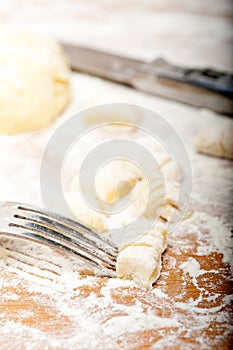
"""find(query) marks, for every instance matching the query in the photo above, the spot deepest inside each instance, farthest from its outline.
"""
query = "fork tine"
(75, 227)
(65, 238)
(38, 237)
(69, 234)
(55, 230)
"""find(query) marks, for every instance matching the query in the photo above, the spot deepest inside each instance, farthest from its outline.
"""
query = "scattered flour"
(192, 267)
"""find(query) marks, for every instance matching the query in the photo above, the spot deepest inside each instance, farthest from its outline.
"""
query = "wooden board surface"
(190, 308)
(33, 310)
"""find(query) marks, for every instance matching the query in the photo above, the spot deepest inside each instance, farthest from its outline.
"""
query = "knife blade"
(205, 88)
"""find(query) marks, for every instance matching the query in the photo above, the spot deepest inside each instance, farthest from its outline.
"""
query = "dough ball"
(34, 83)
(216, 139)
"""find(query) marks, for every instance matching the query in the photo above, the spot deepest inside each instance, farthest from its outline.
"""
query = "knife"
(206, 88)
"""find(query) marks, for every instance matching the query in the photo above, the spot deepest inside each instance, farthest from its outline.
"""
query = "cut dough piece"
(34, 84)
(122, 187)
(217, 139)
(149, 200)
(116, 179)
(141, 260)
(113, 182)
(84, 213)
(165, 163)
(113, 113)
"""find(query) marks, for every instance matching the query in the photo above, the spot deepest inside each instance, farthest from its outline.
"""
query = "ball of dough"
(34, 83)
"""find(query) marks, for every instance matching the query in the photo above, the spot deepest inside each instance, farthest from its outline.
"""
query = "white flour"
(112, 309)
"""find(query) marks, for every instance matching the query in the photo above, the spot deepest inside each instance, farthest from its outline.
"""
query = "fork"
(54, 230)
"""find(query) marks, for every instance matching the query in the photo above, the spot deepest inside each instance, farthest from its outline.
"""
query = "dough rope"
(139, 260)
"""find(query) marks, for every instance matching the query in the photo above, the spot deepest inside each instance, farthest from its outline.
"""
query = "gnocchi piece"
(217, 140)
(85, 213)
(141, 260)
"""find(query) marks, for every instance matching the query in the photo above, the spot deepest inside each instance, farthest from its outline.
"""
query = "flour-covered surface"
(46, 302)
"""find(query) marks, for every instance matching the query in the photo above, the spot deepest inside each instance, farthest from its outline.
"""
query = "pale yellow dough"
(154, 200)
(84, 213)
(149, 200)
(216, 139)
(141, 260)
(116, 179)
(34, 81)
(115, 116)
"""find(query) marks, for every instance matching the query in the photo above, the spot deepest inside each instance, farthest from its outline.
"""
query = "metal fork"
(54, 230)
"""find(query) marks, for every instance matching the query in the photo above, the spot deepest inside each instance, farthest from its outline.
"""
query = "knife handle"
(216, 81)
(219, 82)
